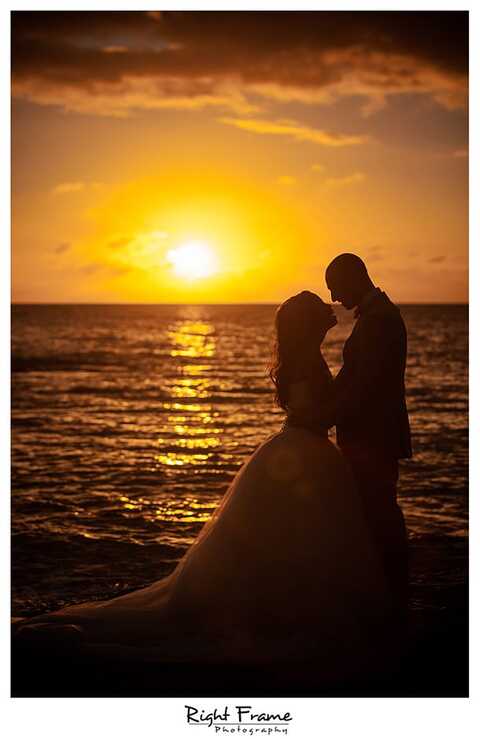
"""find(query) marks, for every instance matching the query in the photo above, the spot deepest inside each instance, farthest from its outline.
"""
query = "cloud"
(115, 49)
(113, 63)
(294, 130)
(68, 187)
(375, 254)
(64, 188)
(105, 270)
(350, 179)
(124, 97)
(155, 14)
(61, 248)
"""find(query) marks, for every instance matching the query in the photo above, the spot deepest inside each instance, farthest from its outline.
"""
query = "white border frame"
(382, 718)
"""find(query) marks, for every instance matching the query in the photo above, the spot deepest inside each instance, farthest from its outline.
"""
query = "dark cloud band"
(183, 54)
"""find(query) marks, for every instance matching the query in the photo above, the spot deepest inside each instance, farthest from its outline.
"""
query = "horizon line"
(267, 302)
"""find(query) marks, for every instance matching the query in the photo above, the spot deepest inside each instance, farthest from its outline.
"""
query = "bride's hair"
(300, 325)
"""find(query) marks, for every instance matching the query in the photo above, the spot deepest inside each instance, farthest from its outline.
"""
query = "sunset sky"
(228, 156)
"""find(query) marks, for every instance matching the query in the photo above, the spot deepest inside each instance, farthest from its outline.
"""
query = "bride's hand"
(328, 324)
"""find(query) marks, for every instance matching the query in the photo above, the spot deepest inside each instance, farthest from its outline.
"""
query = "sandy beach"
(435, 663)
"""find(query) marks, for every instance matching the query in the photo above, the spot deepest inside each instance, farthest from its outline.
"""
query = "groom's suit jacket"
(371, 412)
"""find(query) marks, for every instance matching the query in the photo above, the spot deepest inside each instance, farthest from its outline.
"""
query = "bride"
(284, 570)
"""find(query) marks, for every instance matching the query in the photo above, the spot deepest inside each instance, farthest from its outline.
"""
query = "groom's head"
(347, 279)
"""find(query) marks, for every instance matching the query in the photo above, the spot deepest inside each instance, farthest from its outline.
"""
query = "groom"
(370, 412)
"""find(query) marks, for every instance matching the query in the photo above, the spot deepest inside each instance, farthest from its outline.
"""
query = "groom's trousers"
(376, 477)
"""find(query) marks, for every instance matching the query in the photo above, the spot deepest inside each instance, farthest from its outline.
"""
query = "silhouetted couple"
(305, 558)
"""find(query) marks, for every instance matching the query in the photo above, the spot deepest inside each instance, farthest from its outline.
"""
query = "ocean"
(128, 422)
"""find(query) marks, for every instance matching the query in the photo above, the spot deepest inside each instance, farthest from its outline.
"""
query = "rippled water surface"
(129, 422)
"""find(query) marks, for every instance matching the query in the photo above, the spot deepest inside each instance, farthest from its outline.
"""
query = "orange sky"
(274, 140)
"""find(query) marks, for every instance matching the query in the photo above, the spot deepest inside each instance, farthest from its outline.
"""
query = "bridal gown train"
(284, 570)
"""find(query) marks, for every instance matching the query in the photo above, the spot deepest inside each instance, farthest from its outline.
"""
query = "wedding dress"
(284, 570)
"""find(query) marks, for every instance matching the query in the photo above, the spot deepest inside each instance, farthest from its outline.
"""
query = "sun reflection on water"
(192, 339)
(188, 509)
(183, 407)
(174, 459)
(202, 443)
(192, 427)
(196, 369)
(186, 431)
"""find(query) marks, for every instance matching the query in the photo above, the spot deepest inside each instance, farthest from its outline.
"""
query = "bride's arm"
(309, 399)
(325, 396)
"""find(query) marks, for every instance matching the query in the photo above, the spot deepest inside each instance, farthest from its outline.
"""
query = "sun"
(193, 261)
